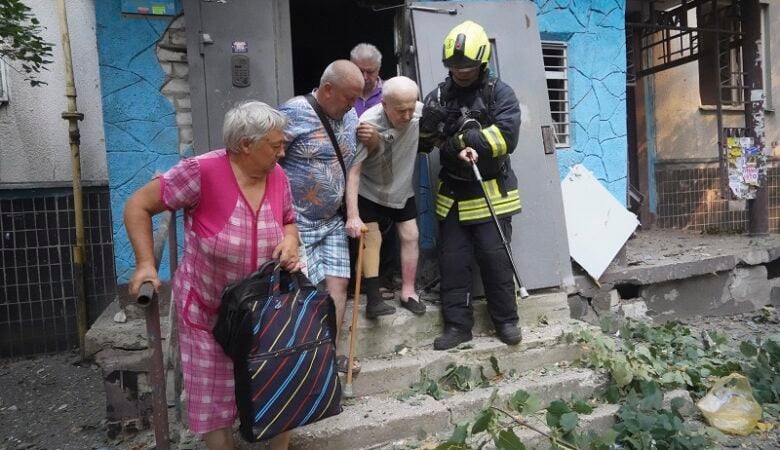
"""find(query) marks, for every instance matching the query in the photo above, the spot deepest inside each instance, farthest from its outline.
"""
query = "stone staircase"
(394, 351)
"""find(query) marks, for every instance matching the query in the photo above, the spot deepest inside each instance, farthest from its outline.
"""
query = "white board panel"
(597, 224)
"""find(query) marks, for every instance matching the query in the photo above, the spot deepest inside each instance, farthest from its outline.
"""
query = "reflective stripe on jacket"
(497, 138)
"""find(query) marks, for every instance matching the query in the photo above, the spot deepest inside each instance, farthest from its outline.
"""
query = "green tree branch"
(20, 40)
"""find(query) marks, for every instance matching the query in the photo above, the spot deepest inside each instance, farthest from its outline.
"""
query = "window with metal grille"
(3, 83)
(556, 70)
(721, 74)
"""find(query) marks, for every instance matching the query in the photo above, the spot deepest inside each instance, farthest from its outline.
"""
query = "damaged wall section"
(738, 275)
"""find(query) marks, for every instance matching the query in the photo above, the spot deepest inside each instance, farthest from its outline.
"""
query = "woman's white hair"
(367, 51)
(252, 120)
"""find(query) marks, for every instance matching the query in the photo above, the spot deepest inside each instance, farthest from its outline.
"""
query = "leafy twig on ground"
(533, 428)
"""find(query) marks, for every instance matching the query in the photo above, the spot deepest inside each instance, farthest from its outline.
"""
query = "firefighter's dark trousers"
(458, 245)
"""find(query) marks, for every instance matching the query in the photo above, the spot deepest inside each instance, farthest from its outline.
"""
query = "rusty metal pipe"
(758, 208)
(156, 369)
(146, 292)
(148, 299)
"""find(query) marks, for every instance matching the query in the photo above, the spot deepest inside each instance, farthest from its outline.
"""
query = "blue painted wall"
(140, 123)
(595, 33)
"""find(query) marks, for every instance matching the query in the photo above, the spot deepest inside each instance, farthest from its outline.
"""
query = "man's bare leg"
(337, 287)
(410, 253)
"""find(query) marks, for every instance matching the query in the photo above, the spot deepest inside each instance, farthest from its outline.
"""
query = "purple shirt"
(361, 104)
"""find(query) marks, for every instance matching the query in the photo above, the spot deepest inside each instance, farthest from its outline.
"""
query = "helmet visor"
(460, 61)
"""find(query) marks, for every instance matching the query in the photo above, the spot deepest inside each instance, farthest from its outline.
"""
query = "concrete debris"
(120, 317)
(606, 302)
(635, 309)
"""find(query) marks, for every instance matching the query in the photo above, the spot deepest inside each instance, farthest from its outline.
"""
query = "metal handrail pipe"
(147, 298)
(146, 292)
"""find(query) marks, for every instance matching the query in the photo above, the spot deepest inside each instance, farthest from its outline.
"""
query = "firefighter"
(473, 118)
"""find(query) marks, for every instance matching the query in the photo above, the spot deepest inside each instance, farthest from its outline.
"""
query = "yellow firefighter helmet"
(466, 46)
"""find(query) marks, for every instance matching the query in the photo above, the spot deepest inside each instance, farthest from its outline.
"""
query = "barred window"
(556, 70)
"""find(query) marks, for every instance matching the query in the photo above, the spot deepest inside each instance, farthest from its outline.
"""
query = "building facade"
(37, 229)
(134, 87)
(685, 175)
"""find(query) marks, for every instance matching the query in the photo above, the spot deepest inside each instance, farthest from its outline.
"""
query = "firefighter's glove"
(463, 139)
(457, 143)
(432, 120)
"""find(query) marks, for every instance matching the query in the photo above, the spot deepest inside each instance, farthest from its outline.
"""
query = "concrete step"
(375, 420)
(388, 334)
(599, 420)
(396, 372)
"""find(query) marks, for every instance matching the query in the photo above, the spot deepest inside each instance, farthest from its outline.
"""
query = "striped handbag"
(279, 331)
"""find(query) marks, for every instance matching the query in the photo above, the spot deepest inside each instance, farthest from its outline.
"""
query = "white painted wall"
(34, 145)
(684, 130)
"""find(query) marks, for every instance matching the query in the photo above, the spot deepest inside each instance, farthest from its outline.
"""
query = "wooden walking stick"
(355, 305)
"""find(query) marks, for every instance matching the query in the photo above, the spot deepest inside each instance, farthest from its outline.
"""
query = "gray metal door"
(539, 236)
(237, 50)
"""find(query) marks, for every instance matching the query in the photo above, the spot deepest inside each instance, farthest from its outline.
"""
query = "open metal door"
(539, 232)
(236, 50)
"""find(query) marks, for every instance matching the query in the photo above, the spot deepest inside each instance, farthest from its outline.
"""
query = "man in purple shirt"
(369, 60)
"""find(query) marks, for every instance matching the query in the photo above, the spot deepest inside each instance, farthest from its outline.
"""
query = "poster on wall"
(152, 8)
(746, 164)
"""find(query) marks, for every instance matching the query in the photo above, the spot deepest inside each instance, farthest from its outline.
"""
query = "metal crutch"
(523, 291)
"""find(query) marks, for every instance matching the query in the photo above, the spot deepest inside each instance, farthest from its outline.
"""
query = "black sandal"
(341, 364)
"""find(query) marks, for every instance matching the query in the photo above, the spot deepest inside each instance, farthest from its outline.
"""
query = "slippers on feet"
(342, 361)
(415, 306)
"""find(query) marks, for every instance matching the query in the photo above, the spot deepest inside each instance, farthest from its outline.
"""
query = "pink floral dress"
(224, 241)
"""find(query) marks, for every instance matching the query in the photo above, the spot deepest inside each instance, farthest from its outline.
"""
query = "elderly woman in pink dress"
(238, 214)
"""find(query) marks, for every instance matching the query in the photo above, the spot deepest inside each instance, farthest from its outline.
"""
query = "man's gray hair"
(367, 51)
(252, 120)
(398, 87)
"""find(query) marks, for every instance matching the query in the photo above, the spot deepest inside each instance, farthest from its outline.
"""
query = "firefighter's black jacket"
(486, 117)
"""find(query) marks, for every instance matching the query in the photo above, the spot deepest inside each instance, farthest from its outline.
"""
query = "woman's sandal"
(342, 361)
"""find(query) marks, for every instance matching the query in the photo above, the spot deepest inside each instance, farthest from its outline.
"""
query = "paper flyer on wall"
(746, 163)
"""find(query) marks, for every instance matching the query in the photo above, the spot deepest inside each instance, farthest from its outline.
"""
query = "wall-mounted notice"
(746, 166)
(151, 8)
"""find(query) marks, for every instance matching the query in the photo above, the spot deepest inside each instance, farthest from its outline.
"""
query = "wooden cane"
(355, 305)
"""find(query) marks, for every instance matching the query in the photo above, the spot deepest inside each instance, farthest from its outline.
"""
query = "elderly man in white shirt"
(388, 139)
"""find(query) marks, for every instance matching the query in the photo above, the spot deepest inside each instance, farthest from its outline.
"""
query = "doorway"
(339, 26)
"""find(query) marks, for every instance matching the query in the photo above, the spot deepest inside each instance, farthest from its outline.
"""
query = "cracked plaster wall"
(595, 33)
(34, 145)
(142, 136)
